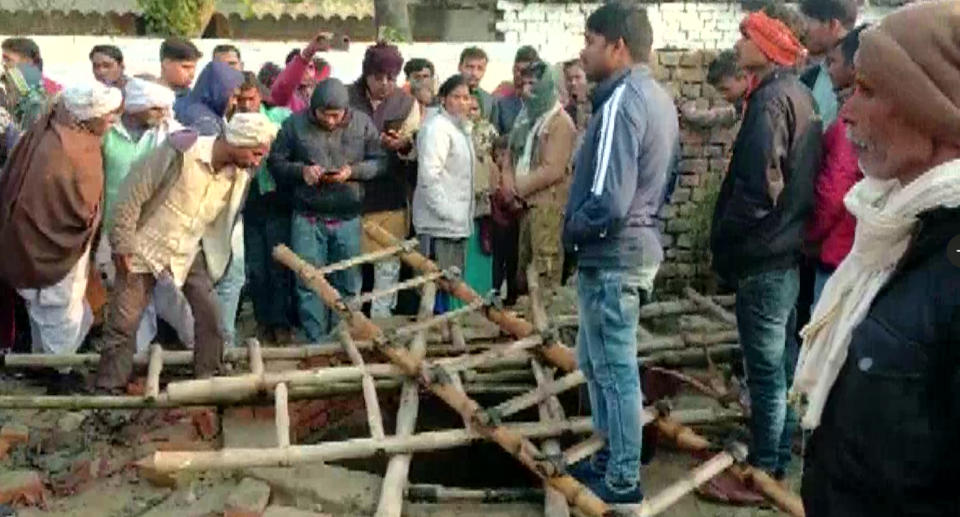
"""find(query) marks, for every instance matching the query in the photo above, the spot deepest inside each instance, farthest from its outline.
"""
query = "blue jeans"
(322, 241)
(609, 306)
(230, 285)
(766, 321)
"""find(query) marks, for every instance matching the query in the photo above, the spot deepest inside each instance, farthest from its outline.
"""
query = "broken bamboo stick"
(512, 442)
(555, 351)
(282, 416)
(152, 387)
(256, 357)
(736, 453)
(710, 306)
(390, 503)
(372, 403)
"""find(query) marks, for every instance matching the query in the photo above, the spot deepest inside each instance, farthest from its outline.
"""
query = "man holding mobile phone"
(325, 155)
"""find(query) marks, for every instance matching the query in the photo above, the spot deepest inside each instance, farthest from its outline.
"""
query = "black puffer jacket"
(768, 191)
(302, 141)
(889, 439)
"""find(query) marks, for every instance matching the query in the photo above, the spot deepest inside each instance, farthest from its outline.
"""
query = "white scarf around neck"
(886, 216)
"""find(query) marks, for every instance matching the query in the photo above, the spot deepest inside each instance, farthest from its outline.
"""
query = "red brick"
(21, 488)
(239, 413)
(265, 413)
(15, 433)
(137, 387)
(82, 473)
(206, 422)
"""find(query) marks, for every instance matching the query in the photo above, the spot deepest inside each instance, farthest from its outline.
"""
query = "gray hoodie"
(620, 173)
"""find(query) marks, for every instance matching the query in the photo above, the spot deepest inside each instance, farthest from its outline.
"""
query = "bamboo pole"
(532, 398)
(124, 402)
(382, 253)
(409, 284)
(167, 462)
(152, 388)
(582, 450)
(390, 503)
(515, 350)
(374, 416)
(554, 504)
(555, 352)
(511, 441)
(422, 493)
(710, 306)
(256, 357)
(436, 321)
(282, 416)
(688, 483)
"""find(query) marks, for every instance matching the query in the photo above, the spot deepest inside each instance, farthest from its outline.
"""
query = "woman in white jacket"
(443, 202)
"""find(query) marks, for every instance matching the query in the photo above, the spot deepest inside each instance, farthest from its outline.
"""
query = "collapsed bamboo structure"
(413, 365)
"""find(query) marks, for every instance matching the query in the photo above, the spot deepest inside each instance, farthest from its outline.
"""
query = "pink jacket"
(285, 90)
(831, 226)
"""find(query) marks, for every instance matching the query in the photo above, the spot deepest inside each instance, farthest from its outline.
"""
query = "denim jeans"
(230, 285)
(322, 241)
(609, 306)
(766, 320)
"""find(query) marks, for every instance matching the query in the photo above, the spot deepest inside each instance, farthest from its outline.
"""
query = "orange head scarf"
(773, 37)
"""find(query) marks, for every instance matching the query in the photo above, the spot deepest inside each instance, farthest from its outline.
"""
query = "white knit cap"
(250, 130)
(91, 100)
(143, 95)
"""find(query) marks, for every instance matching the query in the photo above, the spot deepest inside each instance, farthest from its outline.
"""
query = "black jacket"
(889, 439)
(768, 191)
(302, 142)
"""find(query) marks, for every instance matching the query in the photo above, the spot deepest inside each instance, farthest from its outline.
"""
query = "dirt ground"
(84, 461)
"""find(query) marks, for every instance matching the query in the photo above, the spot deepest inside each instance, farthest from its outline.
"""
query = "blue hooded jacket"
(205, 107)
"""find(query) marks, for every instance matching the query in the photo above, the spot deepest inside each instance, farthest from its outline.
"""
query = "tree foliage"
(185, 18)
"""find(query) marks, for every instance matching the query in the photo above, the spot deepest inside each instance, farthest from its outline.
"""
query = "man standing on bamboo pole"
(619, 179)
(188, 190)
(880, 365)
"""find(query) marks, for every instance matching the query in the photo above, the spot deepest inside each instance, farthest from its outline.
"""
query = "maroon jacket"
(832, 226)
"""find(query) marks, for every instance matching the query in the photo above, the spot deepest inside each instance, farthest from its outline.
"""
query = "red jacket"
(285, 91)
(832, 226)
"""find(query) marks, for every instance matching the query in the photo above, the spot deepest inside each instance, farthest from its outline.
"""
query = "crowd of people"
(842, 193)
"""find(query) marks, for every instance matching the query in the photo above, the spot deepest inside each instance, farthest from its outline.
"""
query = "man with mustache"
(880, 368)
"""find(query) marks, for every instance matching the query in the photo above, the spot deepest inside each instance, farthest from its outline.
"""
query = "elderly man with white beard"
(880, 369)
(146, 122)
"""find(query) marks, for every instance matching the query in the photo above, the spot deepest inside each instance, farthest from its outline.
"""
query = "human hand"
(312, 174)
(394, 142)
(339, 176)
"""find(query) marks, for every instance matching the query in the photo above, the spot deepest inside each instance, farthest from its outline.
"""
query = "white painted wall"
(65, 57)
(556, 30)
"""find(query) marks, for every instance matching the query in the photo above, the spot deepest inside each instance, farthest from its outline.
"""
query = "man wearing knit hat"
(757, 225)
(187, 191)
(50, 210)
(879, 374)
(327, 156)
(396, 116)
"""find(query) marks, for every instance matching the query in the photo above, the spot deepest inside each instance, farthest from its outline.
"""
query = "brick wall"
(556, 29)
(704, 154)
